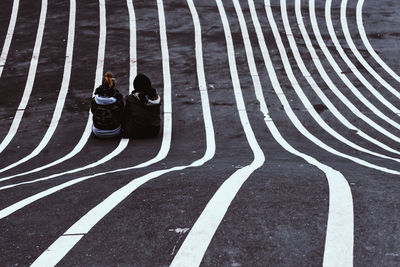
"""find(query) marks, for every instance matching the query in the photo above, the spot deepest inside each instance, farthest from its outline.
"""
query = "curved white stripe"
(29, 83)
(161, 154)
(367, 44)
(306, 102)
(10, 33)
(343, 77)
(360, 58)
(88, 129)
(62, 95)
(121, 146)
(340, 225)
(124, 142)
(292, 116)
(357, 73)
(72, 236)
(195, 244)
(339, 236)
(339, 239)
(209, 128)
(336, 91)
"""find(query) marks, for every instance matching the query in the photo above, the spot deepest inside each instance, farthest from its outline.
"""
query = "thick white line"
(367, 44)
(343, 77)
(360, 58)
(63, 244)
(336, 91)
(198, 239)
(339, 236)
(10, 33)
(29, 83)
(354, 70)
(62, 95)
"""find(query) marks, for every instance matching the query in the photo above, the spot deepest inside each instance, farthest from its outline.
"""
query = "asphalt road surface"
(280, 142)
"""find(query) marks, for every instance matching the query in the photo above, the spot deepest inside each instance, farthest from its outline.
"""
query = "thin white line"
(10, 33)
(88, 129)
(313, 84)
(76, 150)
(124, 142)
(360, 58)
(367, 44)
(292, 116)
(102, 46)
(337, 92)
(352, 88)
(167, 129)
(29, 83)
(161, 155)
(339, 236)
(210, 136)
(98, 79)
(62, 95)
(63, 244)
(195, 244)
(121, 146)
(132, 51)
(354, 69)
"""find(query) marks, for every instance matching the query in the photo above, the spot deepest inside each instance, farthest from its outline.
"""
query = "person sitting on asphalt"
(107, 107)
(142, 110)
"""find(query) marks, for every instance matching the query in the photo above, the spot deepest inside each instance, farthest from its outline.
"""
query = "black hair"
(142, 85)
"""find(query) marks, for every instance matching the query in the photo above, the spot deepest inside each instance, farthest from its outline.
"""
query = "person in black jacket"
(107, 107)
(142, 110)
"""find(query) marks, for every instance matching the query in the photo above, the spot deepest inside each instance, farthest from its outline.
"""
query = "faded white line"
(9, 36)
(367, 44)
(29, 83)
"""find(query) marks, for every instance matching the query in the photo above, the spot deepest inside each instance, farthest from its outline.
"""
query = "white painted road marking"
(29, 83)
(9, 36)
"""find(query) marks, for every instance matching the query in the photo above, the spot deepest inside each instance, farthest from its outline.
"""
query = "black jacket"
(107, 107)
(141, 119)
